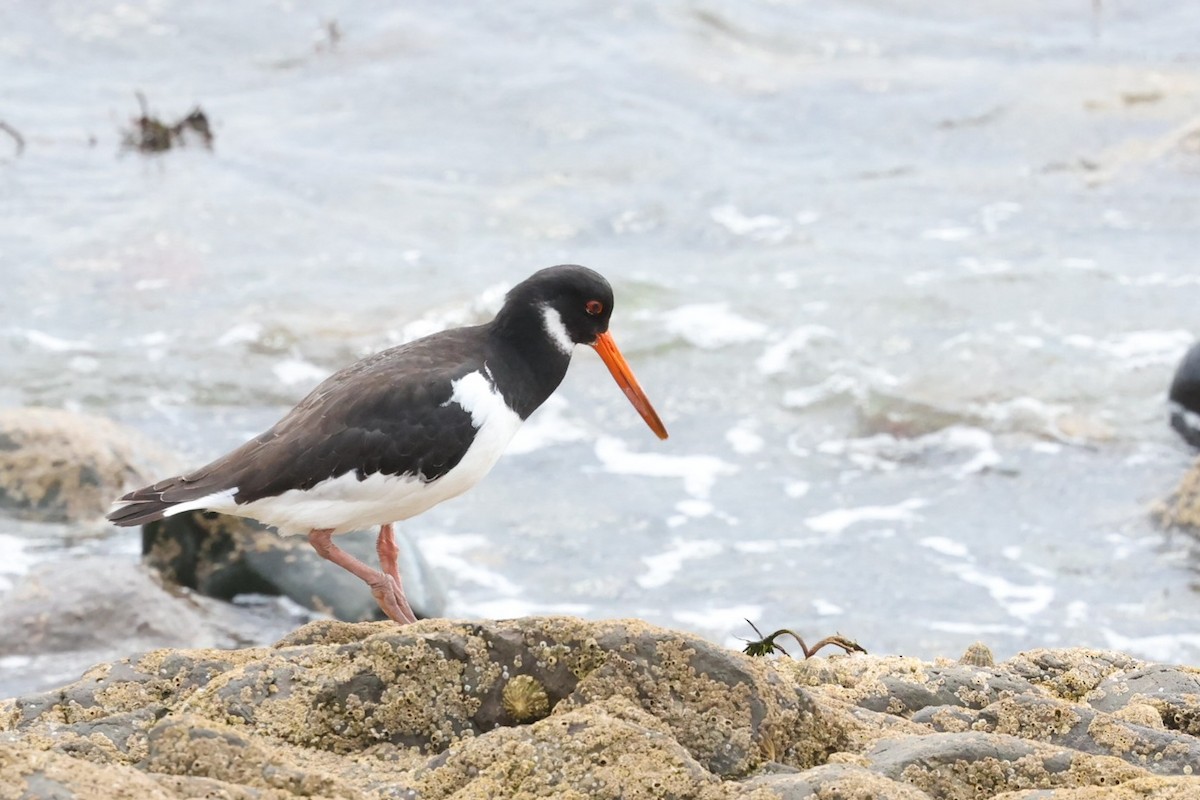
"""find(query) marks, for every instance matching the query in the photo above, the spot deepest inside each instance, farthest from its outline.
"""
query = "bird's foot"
(390, 596)
(385, 587)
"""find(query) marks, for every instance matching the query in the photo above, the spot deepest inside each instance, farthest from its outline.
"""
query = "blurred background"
(906, 281)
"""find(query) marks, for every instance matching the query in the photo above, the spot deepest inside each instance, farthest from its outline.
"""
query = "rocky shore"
(561, 707)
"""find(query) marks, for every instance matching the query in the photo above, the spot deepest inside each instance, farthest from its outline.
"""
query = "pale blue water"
(972, 227)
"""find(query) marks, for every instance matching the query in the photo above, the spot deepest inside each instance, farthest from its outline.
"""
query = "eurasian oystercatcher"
(398, 432)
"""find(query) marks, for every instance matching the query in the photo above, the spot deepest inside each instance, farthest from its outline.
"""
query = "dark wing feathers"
(388, 413)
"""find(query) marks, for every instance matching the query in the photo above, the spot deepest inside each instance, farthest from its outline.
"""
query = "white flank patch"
(347, 504)
(553, 323)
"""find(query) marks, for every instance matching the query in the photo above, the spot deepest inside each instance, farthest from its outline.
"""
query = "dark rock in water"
(1184, 397)
(224, 556)
(60, 466)
(622, 709)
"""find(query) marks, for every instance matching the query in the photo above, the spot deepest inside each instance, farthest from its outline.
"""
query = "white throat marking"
(553, 323)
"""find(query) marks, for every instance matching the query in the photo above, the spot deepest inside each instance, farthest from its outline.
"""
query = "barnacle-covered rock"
(562, 707)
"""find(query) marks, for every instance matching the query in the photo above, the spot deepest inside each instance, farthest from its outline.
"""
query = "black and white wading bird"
(398, 432)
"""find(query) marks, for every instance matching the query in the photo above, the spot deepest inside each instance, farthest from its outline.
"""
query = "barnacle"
(525, 699)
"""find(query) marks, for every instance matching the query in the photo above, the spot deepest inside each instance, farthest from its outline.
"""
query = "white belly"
(347, 504)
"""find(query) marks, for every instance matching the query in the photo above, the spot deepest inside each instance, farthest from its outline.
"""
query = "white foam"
(1137, 348)
(483, 307)
(661, 568)
(719, 617)
(760, 227)
(53, 344)
(695, 508)
(549, 426)
(948, 233)
(985, 266)
(832, 386)
(84, 364)
(711, 325)
(796, 489)
(947, 547)
(1021, 601)
(241, 333)
(449, 553)
(1078, 613)
(15, 560)
(884, 452)
(699, 473)
(1158, 279)
(756, 546)
(292, 371)
(833, 523)
(1166, 647)
(991, 215)
(976, 628)
(744, 439)
(825, 608)
(774, 359)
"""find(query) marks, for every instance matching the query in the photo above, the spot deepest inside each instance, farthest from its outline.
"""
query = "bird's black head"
(572, 302)
(543, 318)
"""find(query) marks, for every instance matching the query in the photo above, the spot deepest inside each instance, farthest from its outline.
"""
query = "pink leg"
(389, 556)
(389, 553)
(385, 588)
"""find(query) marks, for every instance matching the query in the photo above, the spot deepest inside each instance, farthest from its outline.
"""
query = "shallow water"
(906, 283)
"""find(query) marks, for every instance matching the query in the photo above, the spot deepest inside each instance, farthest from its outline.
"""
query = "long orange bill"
(620, 370)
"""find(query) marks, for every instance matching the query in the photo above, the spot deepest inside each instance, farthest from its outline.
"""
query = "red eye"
(594, 307)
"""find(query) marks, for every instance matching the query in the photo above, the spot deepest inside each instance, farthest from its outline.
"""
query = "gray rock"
(1070, 673)
(223, 556)
(834, 781)
(561, 707)
(1153, 681)
(954, 684)
(976, 764)
(64, 616)
(1039, 718)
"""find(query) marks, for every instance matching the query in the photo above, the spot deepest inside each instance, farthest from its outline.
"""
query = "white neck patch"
(558, 332)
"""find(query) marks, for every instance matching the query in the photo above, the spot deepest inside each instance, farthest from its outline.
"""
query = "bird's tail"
(171, 496)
